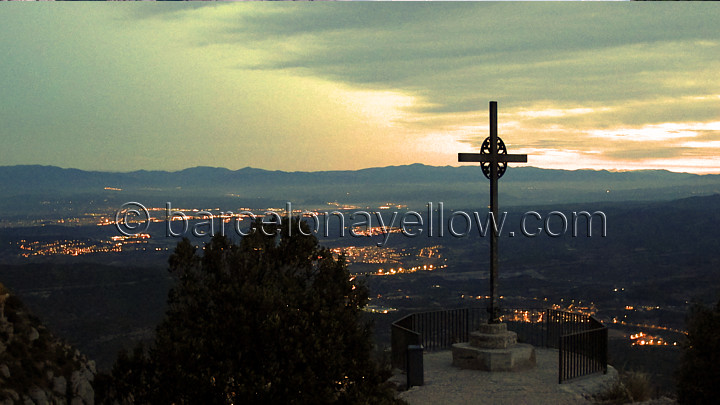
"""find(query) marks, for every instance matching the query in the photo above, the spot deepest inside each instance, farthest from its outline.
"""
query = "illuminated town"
(369, 260)
(643, 339)
(65, 247)
(71, 247)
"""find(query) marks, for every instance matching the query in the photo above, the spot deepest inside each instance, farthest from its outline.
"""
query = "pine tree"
(699, 371)
(273, 319)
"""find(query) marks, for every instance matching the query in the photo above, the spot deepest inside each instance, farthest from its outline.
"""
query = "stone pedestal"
(493, 348)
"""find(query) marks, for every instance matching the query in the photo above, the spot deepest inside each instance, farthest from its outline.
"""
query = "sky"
(310, 87)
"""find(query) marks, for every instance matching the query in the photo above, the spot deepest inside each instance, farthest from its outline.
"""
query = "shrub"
(699, 370)
(632, 386)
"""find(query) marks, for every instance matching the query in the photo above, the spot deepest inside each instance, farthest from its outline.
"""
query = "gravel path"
(445, 384)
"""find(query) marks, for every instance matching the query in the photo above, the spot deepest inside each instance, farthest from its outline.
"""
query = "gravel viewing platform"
(446, 384)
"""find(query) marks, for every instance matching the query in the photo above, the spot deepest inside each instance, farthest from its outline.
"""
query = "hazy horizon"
(351, 170)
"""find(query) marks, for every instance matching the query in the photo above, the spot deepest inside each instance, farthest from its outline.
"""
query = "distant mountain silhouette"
(409, 184)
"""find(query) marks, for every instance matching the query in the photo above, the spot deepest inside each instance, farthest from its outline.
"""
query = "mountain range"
(28, 188)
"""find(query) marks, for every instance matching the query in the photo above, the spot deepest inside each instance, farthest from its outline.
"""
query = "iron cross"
(493, 158)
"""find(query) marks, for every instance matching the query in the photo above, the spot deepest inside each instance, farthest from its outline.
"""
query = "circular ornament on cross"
(501, 150)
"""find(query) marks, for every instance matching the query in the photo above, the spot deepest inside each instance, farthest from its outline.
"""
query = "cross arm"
(477, 157)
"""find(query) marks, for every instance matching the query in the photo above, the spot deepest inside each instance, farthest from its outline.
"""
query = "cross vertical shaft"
(493, 309)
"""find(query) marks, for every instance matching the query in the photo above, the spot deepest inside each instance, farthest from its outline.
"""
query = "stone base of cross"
(493, 158)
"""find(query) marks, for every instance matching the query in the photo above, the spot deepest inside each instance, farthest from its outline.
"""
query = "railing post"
(415, 372)
(546, 321)
(560, 361)
(397, 342)
(468, 323)
(604, 350)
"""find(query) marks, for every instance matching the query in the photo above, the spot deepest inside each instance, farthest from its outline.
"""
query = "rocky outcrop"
(35, 367)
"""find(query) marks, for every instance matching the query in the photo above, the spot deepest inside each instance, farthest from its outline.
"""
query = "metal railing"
(402, 335)
(584, 352)
(581, 340)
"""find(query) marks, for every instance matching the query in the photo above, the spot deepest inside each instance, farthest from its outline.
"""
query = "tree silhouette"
(699, 370)
(273, 319)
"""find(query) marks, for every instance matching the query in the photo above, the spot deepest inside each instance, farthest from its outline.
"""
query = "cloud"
(667, 132)
(454, 57)
(633, 154)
